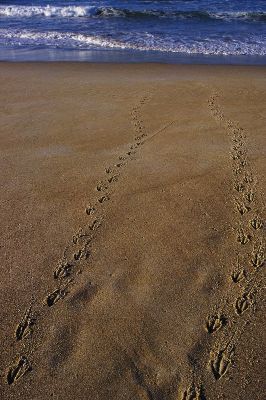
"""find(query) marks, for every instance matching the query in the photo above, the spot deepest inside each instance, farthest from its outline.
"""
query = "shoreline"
(125, 56)
(140, 65)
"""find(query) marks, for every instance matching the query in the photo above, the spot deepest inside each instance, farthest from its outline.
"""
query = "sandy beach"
(132, 232)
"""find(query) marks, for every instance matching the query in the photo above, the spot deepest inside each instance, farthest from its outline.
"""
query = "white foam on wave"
(141, 42)
(46, 11)
(53, 38)
(238, 15)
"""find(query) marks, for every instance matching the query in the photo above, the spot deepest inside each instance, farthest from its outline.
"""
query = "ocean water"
(114, 30)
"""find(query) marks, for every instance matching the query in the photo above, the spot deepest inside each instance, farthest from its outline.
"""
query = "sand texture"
(132, 232)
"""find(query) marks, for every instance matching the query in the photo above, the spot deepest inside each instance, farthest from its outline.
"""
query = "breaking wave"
(109, 12)
(141, 42)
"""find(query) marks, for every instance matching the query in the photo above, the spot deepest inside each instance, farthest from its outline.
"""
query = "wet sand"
(132, 233)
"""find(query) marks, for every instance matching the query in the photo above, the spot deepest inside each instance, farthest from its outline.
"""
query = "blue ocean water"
(207, 28)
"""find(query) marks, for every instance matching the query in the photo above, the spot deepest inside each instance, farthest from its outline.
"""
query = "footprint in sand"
(220, 362)
(243, 163)
(215, 322)
(237, 170)
(248, 178)
(64, 270)
(103, 199)
(77, 255)
(242, 237)
(95, 225)
(193, 393)
(238, 275)
(18, 370)
(83, 253)
(81, 235)
(108, 170)
(101, 187)
(90, 210)
(256, 223)
(238, 144)
(243, 303)
(55, 296)
(24, 328)
(239, 187)
(235, 157)
(135, 146)
(242, 207)
(113, 179)
(250, 197)
(258, 256)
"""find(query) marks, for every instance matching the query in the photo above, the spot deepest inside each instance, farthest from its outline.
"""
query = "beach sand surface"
(132, 233)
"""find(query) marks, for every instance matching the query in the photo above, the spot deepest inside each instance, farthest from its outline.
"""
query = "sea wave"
(140, 42)
(112, 12)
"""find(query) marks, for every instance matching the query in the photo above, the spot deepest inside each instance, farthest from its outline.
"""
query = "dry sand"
(132, 237)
